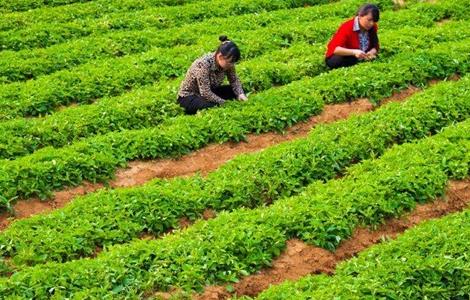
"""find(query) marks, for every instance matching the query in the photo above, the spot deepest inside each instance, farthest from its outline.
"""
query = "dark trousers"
(193, 103)
(337, 61)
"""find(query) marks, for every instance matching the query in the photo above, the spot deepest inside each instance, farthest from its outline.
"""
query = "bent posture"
(355, 40)
(202, 87)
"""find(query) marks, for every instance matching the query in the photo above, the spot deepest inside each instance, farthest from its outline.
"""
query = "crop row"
(46, 34)
(22, 5)
(116, 216)
(241, 242)
(19, 18)
(151, 106)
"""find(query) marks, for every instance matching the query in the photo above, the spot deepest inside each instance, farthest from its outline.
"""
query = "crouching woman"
(202, 87)
(356, 39)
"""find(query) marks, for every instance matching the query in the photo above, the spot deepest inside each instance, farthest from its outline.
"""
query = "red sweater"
(347, 38)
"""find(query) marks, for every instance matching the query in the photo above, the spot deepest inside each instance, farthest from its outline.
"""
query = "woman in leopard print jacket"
(202, 87)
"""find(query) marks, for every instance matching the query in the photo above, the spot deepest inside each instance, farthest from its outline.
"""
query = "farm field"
(350, 183)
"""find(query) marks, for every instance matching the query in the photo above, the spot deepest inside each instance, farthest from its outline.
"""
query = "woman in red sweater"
(355, 40)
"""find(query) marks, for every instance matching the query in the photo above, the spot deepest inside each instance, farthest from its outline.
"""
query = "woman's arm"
(341, 51)
(236, 84)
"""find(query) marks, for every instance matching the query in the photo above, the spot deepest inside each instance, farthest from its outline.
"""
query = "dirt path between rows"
(300, 259)
(204, 160)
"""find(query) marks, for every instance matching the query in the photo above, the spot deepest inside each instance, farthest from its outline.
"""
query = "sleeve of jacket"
(339, 39)
(235, 82)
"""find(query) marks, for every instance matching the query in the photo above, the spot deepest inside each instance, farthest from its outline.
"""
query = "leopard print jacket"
(204, 75)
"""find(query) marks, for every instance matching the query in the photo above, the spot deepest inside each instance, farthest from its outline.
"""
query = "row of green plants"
(117, 216)
(27, 64)
(20, 18)
(114, 76)
(96, 158)
(426, 262)
(151, 106)
(239, 243)
(22, 5)
(46, 34)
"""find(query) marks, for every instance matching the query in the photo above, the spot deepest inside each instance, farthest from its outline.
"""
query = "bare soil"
(300, 259)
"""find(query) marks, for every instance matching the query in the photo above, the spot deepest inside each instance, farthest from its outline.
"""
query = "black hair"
(228, 49)
(369, 9)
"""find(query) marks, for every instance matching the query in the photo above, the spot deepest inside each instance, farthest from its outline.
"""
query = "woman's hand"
(242, 97)
(372, 54)
(359, 54)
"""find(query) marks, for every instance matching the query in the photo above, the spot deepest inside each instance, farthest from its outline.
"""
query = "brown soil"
(300, 259)
(146, 236)
(183, 223)
(211, 157)
(209, 214)
(442, 22)
(27, 208)
(401, 96)
(203, 161)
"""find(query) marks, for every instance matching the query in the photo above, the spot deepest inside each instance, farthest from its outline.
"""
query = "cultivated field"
(326, 184)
